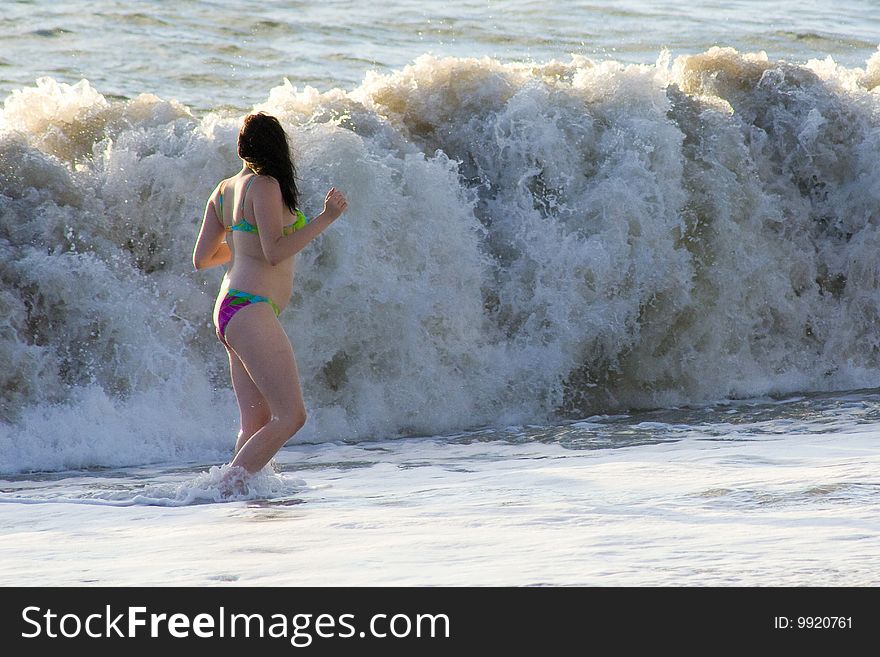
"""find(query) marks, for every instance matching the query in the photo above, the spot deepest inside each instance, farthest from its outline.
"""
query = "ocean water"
(604, 308)
(749, 494)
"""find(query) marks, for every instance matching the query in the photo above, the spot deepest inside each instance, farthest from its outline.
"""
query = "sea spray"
(524, 241)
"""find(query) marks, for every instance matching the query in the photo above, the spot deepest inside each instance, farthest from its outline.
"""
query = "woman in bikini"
(252, 222)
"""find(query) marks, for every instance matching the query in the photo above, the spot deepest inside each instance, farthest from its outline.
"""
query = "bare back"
(249, 270)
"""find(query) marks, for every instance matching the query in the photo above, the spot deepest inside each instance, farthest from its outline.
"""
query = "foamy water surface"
(754, 494)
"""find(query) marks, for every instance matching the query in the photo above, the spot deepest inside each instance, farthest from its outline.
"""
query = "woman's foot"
(233, 482)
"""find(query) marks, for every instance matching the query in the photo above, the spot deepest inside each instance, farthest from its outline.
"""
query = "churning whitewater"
(524, 242)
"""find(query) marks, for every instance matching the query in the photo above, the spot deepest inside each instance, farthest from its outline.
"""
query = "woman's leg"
(252, 406)
(258, 340)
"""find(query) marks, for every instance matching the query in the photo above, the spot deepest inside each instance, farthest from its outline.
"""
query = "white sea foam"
(218, 484)
(523, 240)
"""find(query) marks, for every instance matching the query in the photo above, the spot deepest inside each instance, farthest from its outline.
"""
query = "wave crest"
(524, 240)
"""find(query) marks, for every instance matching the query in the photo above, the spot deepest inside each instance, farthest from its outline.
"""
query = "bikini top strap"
(218, 207)
(244, 195)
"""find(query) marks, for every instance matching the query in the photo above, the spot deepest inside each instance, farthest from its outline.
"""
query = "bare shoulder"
(218, 189)
(266, 184)
(267, 187)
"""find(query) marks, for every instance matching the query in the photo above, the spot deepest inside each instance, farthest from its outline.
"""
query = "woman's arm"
(211, 248)
(269, 211)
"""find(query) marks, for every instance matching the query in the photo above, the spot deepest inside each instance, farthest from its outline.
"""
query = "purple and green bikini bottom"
(234, 301)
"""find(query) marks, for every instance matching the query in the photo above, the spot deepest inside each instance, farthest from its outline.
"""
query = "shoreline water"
(763, 506)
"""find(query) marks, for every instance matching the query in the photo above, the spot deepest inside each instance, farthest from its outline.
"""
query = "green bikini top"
(246, 226)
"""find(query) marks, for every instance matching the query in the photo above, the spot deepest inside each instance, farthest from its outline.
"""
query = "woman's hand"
(335, 204)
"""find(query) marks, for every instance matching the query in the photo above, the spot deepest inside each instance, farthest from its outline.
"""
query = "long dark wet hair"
(262, 144)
